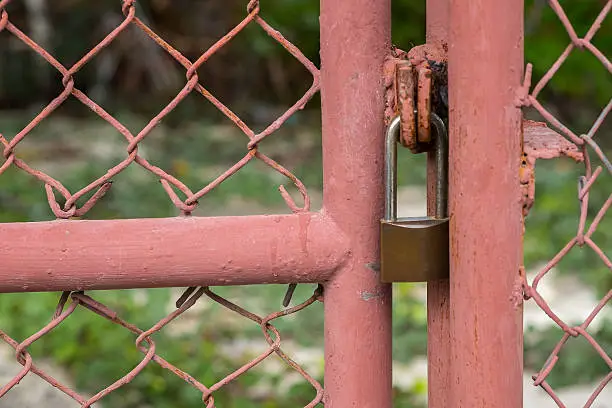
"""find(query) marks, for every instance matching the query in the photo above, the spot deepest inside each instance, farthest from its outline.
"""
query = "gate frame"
(355, 39)
(438, 291)
(340, 244)
(486, 223)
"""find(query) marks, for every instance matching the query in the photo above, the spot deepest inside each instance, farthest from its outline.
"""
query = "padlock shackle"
(391, 140)
(441, 158)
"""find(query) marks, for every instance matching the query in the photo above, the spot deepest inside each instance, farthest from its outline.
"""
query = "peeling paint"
(367, 296)
(374, 267)
(541, 142)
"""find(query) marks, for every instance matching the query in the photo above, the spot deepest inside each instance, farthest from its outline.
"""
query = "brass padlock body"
(414, 249)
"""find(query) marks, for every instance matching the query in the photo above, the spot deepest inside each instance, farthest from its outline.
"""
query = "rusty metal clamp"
(413, 97)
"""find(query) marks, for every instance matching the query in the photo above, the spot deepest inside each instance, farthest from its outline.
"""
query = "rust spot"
(427, 52)
(424, 104)
(405, 99)
(520, 289)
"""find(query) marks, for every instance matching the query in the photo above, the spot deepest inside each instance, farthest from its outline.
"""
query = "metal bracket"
(416, 84)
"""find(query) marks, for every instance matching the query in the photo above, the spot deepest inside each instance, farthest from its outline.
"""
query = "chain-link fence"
(146, 344)
(338, 249)
(587, 150)
(67, 205)
(90, 194)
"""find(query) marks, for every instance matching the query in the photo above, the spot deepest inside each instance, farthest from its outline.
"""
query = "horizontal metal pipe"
(186, 251)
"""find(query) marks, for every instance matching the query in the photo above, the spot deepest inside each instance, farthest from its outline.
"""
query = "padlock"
(415, 249)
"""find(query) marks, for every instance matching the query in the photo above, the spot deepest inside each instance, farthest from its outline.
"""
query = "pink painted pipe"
(438, 291)
(485, 70)
(355, 38)
(138, 253)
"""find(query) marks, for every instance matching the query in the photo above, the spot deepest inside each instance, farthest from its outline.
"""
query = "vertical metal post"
(437, 19)
(438, 296)
(355, 37)
(486, 64)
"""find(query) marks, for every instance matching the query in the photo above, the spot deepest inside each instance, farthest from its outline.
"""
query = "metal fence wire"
(91, 193)
(146, 344)
(98, 188)
(586, 143)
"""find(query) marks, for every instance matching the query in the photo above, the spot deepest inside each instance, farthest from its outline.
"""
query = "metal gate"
(475, 332)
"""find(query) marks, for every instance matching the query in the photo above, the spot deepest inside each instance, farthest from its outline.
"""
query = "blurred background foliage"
(133, 79)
